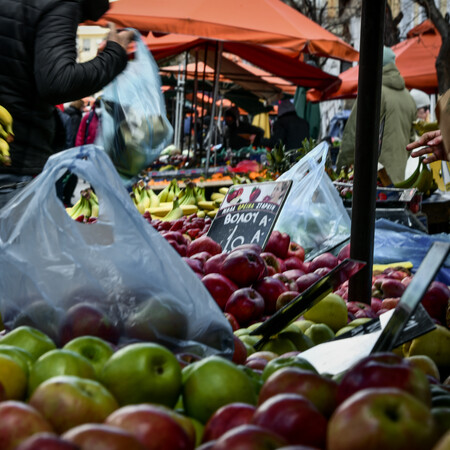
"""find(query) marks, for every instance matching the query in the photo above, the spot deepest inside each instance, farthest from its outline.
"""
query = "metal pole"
(366, 146)
(219, 49)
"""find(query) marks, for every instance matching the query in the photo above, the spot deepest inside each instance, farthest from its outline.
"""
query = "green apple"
(279, 345)
(67, 401)
(320, 333)
(289, 361)
(21, 356)
(331, 310)
(59, 362)
(303, 324)
(30, 339)
(241, 332)
(298, 338)
(249, 340)
(343, 330)
(214, 382)
(143, 372)
(93, 348)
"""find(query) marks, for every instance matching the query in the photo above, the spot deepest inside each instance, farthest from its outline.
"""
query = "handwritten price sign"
(248, 214)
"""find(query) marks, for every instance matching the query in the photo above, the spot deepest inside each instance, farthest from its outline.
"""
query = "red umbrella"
(260, 22)
(415, 58)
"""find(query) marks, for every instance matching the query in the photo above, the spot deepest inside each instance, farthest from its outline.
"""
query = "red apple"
(246, 304)
(278, 244)
(344, 253)
(203, 244)
(249, 437)
(375, 304)
(320, 390)
(293, 274)
(392, 288)
(18, 421)
(220, 287)
(271, 261)
(195, 264)
(153, 425)
(67, 401)
(256, 364)
(293, 417)
(233, 322)
(101, 436)
(322, 271)
(436, 300)
(326, 259)
(305, 281)
(244, 267)
(293, 263)
(270, 289)
(240, 351)
(253, 247)
(296, 250)
(87, 319)
(213, 264)
(381, 418)
(49, 441)
(389, 303)
(285, 298)
(384, 370)
(227, 417)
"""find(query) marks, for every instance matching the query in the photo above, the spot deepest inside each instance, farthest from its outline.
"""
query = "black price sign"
(248, 214)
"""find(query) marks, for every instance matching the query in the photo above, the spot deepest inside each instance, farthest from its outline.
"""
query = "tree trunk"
(443, 59)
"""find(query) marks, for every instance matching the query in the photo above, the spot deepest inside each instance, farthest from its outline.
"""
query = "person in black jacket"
(38, 69)
(289, 128)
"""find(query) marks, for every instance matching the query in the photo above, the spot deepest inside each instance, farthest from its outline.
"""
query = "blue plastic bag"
(134, 125)
(121, 264)
(395, 242)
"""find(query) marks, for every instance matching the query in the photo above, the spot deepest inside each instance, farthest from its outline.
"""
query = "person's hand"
(429, 144)
(123, 37)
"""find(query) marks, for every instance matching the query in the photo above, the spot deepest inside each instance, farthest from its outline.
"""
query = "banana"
(208, 205)
(5, 135)
(218, 202)
(154, 199)
(163, 194)
(201, 213)
(5, 157)
(411, 179)
(200, 193)
(217, 196)
(189, 194)
(424, 180)
(212, 213)
(6, 120)
(175, 213)
(223, 190)
(162, 211)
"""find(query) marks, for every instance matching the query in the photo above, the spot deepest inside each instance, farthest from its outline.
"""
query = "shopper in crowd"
(398, 110)
(289, 128)
(422, 100)
(239, 133)
(38, 69)
(87, 131)
(75, 110)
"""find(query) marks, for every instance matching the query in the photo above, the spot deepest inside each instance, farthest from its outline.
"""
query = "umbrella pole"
(366, 147)
(203, 103)
(219, 49)
(194, 111)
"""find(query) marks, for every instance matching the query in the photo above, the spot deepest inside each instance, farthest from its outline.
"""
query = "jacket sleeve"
(346, 155)
(59, 78)
(79, 139)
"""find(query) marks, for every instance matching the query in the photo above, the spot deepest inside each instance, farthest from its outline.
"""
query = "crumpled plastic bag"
(313, 214)
(120, 265)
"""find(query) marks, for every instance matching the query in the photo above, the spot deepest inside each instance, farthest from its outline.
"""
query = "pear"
(425, 364)
(435, 344)
(331, 310)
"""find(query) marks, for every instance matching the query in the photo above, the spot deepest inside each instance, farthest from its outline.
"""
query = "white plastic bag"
(313, 215)
(120, 264)
(134, 126)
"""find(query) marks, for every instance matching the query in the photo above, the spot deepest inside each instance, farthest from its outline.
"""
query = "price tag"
(248, 213)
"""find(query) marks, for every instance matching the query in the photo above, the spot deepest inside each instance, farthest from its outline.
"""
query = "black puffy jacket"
(38, 70)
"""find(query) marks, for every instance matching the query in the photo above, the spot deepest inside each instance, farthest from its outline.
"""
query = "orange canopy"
(415, 58)
(268, 59)
(261, 22)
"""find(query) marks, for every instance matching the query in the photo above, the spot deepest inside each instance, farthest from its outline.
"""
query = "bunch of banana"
(86, 207)
(143, 196)
(421, 127)
(169, 192)
(175, 213)
(188, 195)
(408, 182)
(425, 181)
(6, 135)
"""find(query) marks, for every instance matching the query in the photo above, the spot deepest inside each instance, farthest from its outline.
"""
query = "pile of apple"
(90, 395)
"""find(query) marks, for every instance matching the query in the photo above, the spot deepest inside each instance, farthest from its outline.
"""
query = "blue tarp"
(395, 242)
